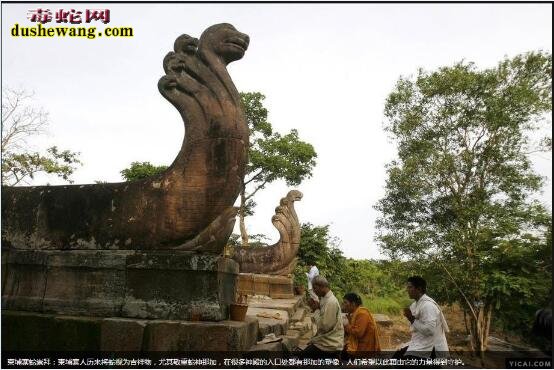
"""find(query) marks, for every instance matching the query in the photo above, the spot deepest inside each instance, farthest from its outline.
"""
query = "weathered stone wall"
(271, 286)
(138, 284)
(26, 331)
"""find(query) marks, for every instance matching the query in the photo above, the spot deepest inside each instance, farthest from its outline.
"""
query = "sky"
(325, 69)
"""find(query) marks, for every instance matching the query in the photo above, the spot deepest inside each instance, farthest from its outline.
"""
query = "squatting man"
(327, 318)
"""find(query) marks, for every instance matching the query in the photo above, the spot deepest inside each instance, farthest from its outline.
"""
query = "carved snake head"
(174, 63)
(185, 44)
(224, 41)
(294, 195)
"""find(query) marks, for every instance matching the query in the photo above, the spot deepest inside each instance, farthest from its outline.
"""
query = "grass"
(386, 305)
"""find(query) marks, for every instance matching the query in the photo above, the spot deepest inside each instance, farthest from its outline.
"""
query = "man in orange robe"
(362, 333)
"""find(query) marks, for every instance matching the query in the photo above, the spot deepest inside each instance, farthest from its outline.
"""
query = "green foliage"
(256, 240)
(272, 156)
(141, 170)
(318, 248)
(21, 120)
(458, 196)
(300, 278)
(391, 305)
(16, 167)
(373, 280)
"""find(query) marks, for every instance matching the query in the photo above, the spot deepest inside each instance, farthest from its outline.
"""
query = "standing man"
(427, 323)
(313, 272)
(328, 319)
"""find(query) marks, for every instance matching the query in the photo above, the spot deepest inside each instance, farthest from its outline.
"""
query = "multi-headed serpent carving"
(190, 205)
(280, 258)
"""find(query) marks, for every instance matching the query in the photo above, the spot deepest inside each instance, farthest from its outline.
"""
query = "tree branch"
(255, 191)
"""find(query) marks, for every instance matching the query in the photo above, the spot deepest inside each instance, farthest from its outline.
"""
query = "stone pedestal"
(29, 331)
(165, 285)
(269, 285)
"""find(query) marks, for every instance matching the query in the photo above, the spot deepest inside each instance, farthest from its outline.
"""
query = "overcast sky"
(325, 69)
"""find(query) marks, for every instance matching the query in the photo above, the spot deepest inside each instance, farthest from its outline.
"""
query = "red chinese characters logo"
(39, 15)
(72, 16)
(97, 15)
(69, 16)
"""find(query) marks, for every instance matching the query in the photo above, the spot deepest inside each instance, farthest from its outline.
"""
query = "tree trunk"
(479, 329)
(242, 212)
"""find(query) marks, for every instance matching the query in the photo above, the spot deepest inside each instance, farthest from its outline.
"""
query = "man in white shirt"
(427, 323)
(311, 275)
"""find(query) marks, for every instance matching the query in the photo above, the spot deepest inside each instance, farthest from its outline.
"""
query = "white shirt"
(311, 275)
(428, 329)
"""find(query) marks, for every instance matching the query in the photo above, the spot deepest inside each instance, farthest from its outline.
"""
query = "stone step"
(303, 326)
(298, 315)
(291, 342)
(277, 316)
(264, 347)
(286, 304)
(269, 320)
(293, 333)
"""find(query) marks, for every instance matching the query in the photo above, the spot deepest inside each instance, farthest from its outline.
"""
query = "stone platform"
(269, 285)
(285, 318)
(26, 331)
(168, 285)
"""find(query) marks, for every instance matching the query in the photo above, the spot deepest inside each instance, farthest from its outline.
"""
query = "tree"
(20, 122)
(141, 170)
(272, 157)
(459, 194)
(318, 247)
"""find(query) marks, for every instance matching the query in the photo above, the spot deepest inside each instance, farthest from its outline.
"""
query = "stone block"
(162, 335)
(85, 282)
(298, 315)
(4, 262)
(290, 342)
(288, 305)
(268, 347)
(261, 284)
(280, 287)
(293, 333)
(270, 320)
(263, 330)
(121, 335)
(29, 331)
(26, 331)
(25, 280)
(74, 333)
(245, 284)
(174, 285)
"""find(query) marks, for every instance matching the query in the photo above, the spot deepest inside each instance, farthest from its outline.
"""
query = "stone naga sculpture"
(187, 207)
(280, 258)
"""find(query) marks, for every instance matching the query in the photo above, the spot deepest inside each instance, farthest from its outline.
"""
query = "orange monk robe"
(362, 333)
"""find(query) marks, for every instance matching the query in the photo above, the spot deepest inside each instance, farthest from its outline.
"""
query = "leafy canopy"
(459, 195)
(273, 156)
(141, 170)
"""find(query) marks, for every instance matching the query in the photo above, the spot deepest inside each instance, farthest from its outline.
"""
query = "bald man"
(327, 317)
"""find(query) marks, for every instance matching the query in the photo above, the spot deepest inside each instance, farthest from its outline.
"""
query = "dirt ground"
(457, 338)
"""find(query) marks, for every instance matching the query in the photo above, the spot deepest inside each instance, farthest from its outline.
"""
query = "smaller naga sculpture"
(280, 258)
(190, 205)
